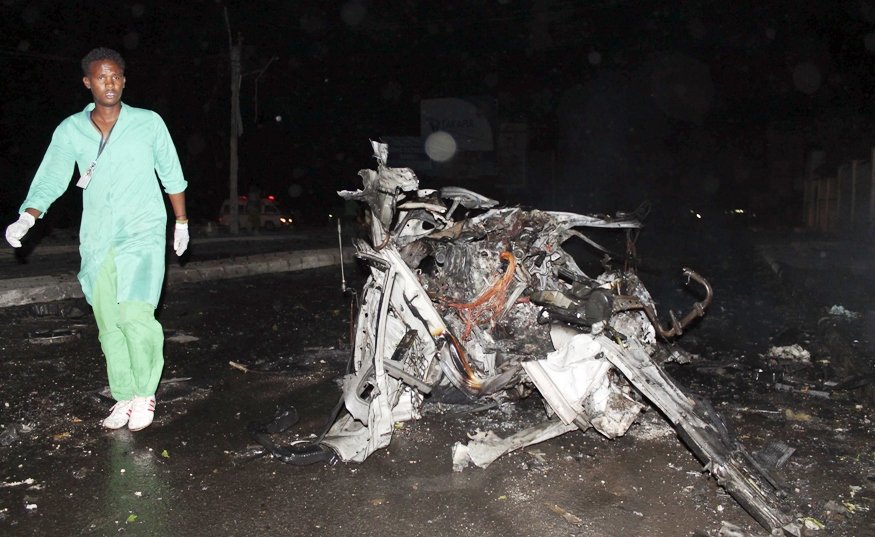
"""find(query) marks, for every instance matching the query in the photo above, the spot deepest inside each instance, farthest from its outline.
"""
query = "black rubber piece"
(302, 454)
(298, 454)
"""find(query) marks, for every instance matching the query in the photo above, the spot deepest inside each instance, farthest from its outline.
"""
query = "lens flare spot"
(440, 146)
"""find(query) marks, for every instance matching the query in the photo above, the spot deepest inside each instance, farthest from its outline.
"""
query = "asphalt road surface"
(196, 471)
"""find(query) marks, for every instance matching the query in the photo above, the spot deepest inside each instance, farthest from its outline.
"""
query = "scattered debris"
(236, 365)
(781, 387)
(793, 415)
(28, 481)
(182, 337)
(651, 426)
(840, 311)
(9, 435)
(54, 336)
(572, 519)
(812, 523)
(775, 454)
(792, 353)
(852, 507)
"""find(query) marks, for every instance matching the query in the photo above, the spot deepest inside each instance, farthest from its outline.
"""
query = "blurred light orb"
(594, 57)
(278, 119)
(440, 146)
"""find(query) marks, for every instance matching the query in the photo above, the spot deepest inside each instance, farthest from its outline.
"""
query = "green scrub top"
(122, 207)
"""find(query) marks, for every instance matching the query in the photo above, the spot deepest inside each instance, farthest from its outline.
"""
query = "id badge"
(86, 177)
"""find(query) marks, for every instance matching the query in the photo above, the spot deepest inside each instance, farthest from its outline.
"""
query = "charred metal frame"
(495, 268)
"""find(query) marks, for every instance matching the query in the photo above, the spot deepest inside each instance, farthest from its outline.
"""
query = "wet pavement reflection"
(134, 492)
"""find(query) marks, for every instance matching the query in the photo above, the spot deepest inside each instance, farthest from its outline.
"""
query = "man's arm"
(177, 201)
(53, 175)
(50, 181)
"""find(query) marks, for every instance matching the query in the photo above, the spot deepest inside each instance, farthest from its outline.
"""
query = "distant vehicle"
(270, 215)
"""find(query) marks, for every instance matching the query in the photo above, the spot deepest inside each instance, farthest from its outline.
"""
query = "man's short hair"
(100, 54)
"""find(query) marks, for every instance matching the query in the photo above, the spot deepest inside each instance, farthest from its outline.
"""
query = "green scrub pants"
(131, 339)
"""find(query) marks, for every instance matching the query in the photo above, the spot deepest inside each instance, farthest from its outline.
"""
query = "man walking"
(119, 149)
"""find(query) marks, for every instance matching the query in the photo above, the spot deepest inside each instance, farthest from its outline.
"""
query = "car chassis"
(492, 305)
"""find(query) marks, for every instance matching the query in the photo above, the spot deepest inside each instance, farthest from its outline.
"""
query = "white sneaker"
(118, 417)
(142, 412)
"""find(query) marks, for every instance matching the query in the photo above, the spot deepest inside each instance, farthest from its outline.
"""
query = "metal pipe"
(698, 309)
(340, 246)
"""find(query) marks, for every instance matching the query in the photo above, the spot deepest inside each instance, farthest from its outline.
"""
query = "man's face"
(106, 80)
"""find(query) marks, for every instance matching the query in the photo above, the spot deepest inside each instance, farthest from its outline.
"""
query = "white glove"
(18, 229)
(180, 238)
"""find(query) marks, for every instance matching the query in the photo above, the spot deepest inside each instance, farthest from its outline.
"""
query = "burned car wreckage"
(484, 298)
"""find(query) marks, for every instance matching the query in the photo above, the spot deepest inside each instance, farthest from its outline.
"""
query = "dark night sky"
(633, 100)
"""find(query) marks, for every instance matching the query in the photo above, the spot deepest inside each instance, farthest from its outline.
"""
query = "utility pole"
(236, 128)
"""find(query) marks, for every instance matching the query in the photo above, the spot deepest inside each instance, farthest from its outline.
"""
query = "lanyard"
(103, 140)
(86, 177)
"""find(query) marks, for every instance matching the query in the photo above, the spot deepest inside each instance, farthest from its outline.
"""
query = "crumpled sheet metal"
(485, 447)
(353, 441)
(570, 375)
(369, 424)
(577, 384)
(469, 252)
